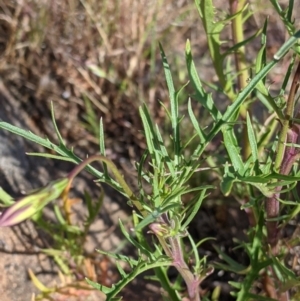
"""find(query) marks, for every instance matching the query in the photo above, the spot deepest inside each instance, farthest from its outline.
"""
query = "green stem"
(117, 175)
(238, 37)
(283, 163)
(286, 122)
(236, 7)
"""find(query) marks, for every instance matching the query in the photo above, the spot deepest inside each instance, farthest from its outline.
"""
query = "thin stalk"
(243, 75)
(285, 158)
(238, 37)
(240, 63)
(288, 117)
(284, 161)
(117, 175)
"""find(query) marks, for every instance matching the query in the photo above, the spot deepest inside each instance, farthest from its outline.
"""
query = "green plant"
(249, 176)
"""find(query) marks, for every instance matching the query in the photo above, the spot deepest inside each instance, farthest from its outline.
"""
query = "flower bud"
(30, 204)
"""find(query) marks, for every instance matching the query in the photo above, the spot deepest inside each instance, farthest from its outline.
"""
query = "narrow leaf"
(252, 139)
(191, 214)
(204, 98)
(232, 148)
(195, 123)
(173, 104)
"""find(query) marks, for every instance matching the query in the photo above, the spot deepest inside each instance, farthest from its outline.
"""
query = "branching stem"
(117, 175)
(285, 158)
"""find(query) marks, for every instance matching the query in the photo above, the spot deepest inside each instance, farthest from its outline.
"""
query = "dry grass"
(51, 51)
(98, 59)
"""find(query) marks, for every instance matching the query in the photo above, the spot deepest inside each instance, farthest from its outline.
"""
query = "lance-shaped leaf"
(30, 204)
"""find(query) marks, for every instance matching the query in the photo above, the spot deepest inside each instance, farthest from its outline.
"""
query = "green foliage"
(247, 175)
